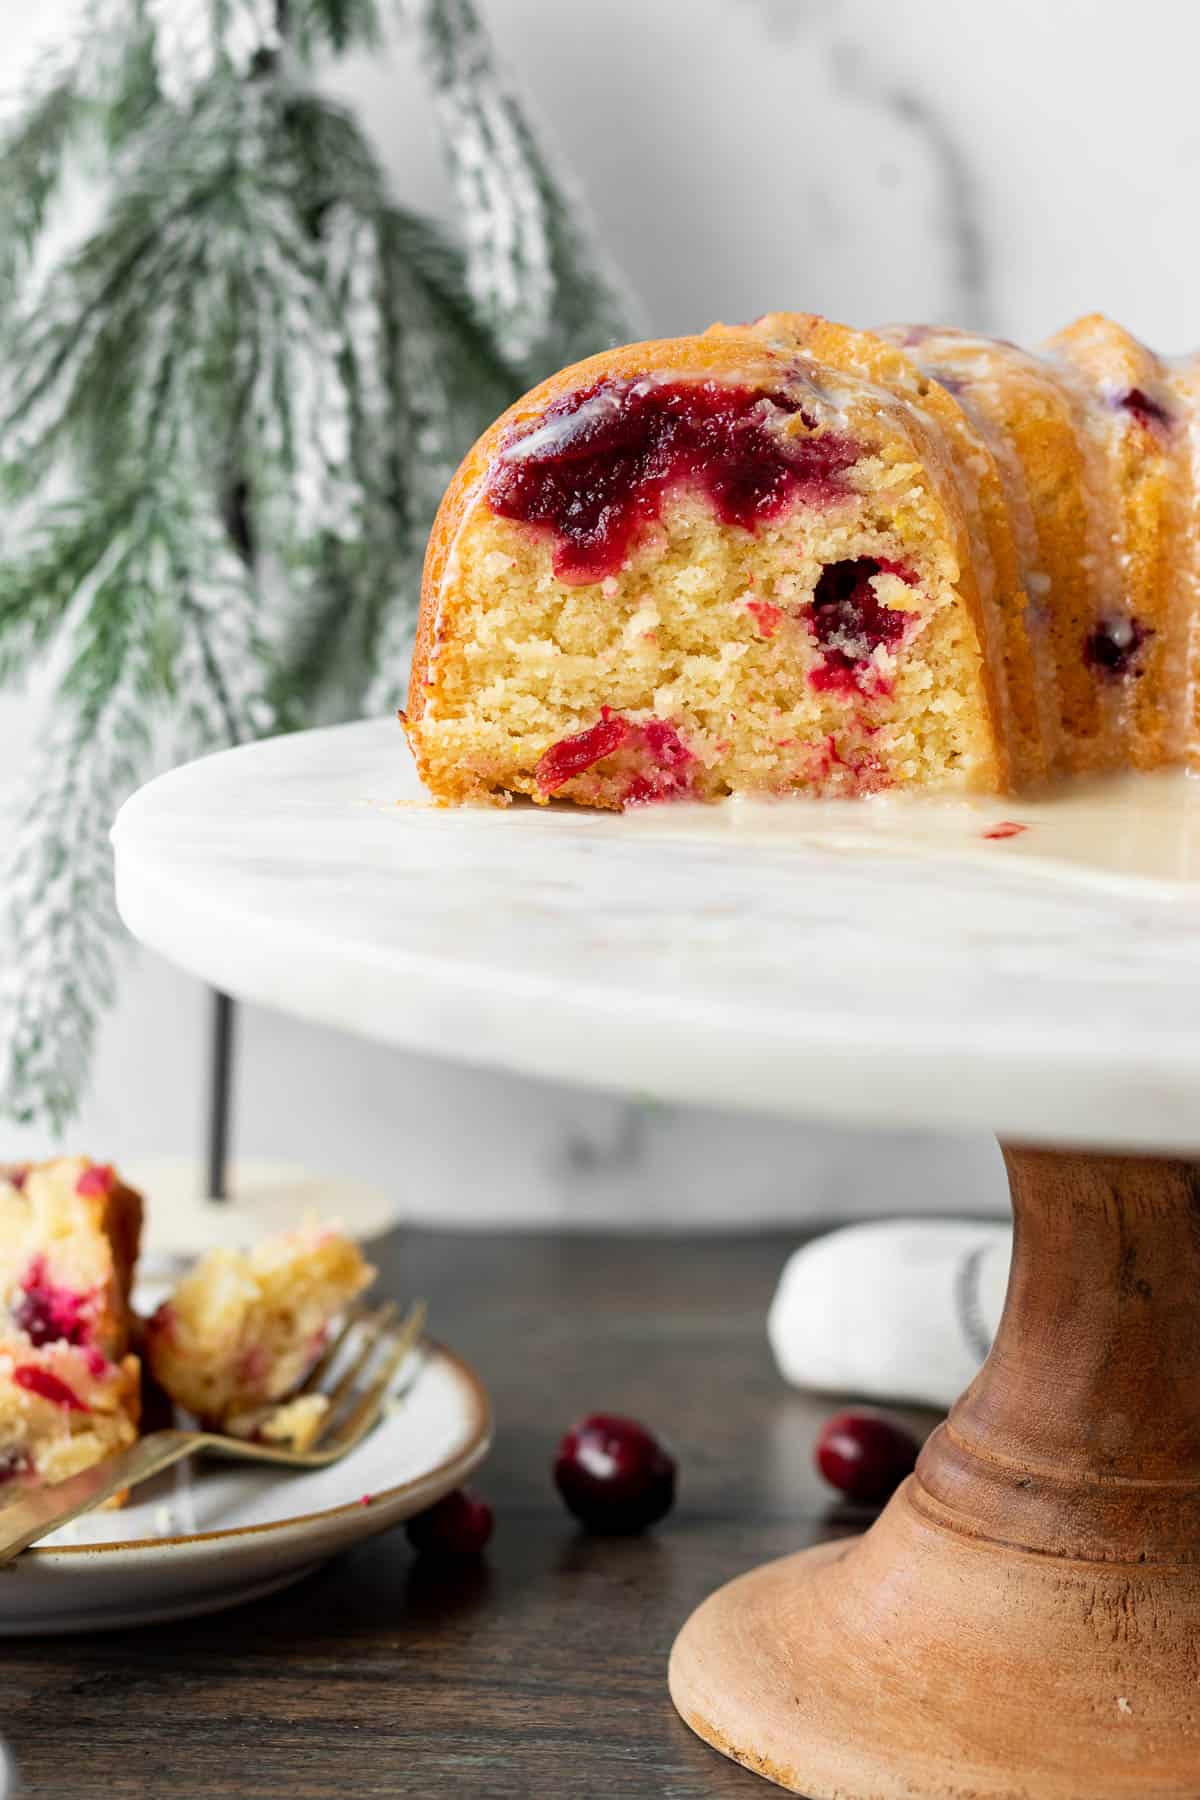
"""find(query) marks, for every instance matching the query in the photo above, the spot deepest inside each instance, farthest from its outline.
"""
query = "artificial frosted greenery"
(227, 415)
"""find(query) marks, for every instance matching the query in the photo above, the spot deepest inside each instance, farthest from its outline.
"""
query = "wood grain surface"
(543, 1671)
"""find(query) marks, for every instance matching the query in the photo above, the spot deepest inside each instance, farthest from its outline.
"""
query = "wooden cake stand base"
(1023, 1620)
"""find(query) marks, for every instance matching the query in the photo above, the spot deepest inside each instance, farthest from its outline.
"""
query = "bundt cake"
(70, 1388)
(242, 1330)
(794, 557)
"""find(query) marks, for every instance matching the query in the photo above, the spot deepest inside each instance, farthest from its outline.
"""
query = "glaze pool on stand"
(1023, 1620)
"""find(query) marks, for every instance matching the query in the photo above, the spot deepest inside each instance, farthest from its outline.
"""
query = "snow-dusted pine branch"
(61, 920)
(536, 270)
(227, 416)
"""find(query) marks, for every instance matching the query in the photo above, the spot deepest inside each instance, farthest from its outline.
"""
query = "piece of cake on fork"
(243, 1329)
(70, 1386)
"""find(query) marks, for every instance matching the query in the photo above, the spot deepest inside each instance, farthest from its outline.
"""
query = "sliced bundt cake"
(789, 556)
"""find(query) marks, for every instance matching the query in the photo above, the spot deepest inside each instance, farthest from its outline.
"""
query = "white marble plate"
(881, 963)
(208, 1535)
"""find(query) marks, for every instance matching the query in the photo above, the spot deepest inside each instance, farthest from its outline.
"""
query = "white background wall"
(1004, 167)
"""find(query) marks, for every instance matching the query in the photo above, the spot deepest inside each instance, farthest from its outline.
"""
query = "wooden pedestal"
(1023, 1620)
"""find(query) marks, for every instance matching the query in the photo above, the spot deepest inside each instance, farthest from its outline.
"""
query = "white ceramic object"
(888, 964)
(208, 1535)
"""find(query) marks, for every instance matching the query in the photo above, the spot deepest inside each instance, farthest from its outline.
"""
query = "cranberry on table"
(614, 1475)
(458, 1525)
(865, 1455)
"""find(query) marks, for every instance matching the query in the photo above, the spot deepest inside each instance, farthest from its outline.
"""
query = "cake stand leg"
(1023, 1620)
(220, 1095)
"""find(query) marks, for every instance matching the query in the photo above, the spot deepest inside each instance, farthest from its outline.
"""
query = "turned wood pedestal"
(1023, 1620)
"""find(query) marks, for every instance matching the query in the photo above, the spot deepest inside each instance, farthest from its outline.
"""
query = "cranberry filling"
(661, 758)
(1113, 645)
(849, 622)
(1147, 411)
(845, 613)
(768, 618)
(48, 1387)
(598, 463)
(572, 755)
(859, 772)
(48, 1314)
(669, 759)
(99, 1179)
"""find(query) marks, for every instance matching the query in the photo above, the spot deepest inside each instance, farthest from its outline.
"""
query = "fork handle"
(42, 1510)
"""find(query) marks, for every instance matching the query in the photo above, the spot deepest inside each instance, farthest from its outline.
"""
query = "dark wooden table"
(541, 1672)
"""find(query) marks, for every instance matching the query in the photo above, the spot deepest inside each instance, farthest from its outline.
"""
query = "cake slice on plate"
(243, 1329)
(70, 1388)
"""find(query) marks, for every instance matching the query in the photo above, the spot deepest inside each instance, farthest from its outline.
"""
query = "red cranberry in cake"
(36, 1379)
(845, 613)
(50, 1314)
(1149, 412)
(573, 755)
(630, 763)
(768, 618)
(1113, 646)
(70, 1389)
(849, 622)
(97, 1178)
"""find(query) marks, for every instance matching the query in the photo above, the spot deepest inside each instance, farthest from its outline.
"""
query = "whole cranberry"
(458, 1525)
(614, 1475)
(865, 1455)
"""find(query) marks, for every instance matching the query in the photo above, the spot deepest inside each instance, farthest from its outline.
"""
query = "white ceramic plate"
(207, 1535)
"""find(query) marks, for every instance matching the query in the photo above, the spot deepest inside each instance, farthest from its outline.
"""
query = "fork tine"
(372, 1328)
(367, 1407)
(354, 1315)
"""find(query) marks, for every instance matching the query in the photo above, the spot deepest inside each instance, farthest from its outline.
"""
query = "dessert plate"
(206, 1535)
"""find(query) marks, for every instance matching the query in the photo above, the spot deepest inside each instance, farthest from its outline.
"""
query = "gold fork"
(347, 1419)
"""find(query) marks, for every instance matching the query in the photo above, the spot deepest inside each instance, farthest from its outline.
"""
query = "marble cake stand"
(1023, 1622)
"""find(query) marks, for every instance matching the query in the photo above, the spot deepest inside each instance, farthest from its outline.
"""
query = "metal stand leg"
(220, 1096)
